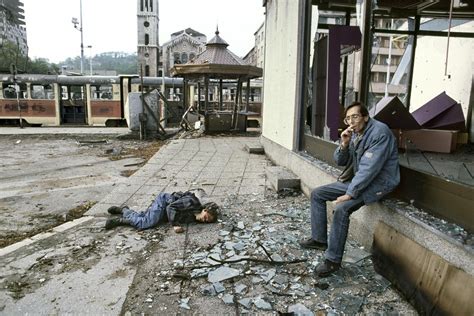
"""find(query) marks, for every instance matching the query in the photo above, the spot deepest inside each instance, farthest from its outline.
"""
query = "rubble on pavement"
(257, 266)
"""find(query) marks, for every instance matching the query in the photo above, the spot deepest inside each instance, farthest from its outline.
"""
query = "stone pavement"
(79, 268)
(64, 130)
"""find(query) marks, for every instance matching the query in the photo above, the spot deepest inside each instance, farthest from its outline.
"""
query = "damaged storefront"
(412, 66)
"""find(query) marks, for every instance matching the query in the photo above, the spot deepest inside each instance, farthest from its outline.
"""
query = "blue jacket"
(376, 169)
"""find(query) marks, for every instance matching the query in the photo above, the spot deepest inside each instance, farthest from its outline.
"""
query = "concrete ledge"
(281, 178)
(439, 289)
(255, 149)
(314, 173)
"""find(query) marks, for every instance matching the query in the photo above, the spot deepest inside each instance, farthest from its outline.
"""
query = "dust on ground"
(48, 180)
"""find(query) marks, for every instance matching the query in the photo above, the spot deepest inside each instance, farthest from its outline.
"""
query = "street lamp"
(90, 57)
(78, 26)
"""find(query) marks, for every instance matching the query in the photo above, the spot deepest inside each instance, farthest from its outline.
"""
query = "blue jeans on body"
(340, 221)
(154, 214)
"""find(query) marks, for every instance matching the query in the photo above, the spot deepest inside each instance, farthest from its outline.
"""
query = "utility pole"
(78, 26)
(90, 57)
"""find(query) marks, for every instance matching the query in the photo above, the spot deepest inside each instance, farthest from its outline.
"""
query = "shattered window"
(102, 92)
(9, 91)
(42, 92)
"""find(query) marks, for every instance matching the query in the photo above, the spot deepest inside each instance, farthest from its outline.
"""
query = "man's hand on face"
(346, 136)
(343, 198)
(178, 229)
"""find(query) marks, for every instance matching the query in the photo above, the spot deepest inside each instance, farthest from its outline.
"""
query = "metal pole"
(364, 76)
(142, 116)
(412, 61)
(449, 33)
(90, 58)
(389, 61)
(82, 41)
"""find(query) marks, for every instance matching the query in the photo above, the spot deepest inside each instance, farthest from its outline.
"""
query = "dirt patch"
(48, 180)
(51, 220)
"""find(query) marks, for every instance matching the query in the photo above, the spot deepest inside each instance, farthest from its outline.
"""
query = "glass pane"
(103, 92)
(42, 92)
(384, 23)
(442, 25)
(391, 58)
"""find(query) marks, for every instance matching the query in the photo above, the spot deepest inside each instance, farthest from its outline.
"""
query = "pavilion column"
(247, 97)
(185, 92)
(199, 96)
(236, 104)
(220, 95)
(206, 96)
(191, 95)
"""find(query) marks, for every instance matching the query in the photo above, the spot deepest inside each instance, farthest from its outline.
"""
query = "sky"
(111, 25)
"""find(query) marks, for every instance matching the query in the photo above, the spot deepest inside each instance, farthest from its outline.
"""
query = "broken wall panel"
(338, 35)
(438, 113)
(452, 118)
(391, 111)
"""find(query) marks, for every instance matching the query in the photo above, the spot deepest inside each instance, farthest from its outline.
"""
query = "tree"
(10, 54)
(42, 66)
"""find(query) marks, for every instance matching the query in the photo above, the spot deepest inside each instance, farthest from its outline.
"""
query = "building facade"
(183, 47)
(260, 46)
(12, 24)
(256, 56)
(148, 45)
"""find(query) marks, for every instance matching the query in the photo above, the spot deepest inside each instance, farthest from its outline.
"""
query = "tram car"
(55, 100)
(58, 100)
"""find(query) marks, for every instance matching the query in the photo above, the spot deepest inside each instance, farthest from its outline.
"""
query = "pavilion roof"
(217, 61)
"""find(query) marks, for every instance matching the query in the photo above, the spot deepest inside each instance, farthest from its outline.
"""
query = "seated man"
(369, 152)
(176, 208)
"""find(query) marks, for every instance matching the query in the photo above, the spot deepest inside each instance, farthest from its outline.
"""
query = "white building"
(183, 47)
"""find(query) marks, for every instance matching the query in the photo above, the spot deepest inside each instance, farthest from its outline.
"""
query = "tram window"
(42, 92)
(76, 93)
(9, 91)
(102, 92)
(64, 93)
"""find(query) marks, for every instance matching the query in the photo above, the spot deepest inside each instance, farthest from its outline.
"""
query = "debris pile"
(257, 266)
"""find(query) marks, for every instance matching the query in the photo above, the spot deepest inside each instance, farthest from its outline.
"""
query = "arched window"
(147, 71)
(184, 58)
(176, 59)
(192, 56)
(147, 39)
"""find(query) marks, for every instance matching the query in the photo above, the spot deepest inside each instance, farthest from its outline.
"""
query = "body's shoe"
(313, 244)
(114, 222)
(115, 210)
(326, 268)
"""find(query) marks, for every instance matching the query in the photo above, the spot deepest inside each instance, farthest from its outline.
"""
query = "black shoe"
(114, 222)
(326, 268)
(115, 210)
(313, 244)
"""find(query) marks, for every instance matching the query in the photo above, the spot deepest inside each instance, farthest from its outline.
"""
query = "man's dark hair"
(363, 109)
(213, 209)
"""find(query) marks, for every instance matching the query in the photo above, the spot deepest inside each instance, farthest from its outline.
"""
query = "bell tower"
(148, 45)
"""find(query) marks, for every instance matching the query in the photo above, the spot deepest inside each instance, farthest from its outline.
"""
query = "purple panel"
(392, 112)
(338, 35)
(433, 108)
(451, 119)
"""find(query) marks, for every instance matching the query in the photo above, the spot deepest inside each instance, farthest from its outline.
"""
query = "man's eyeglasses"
(353, 117)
